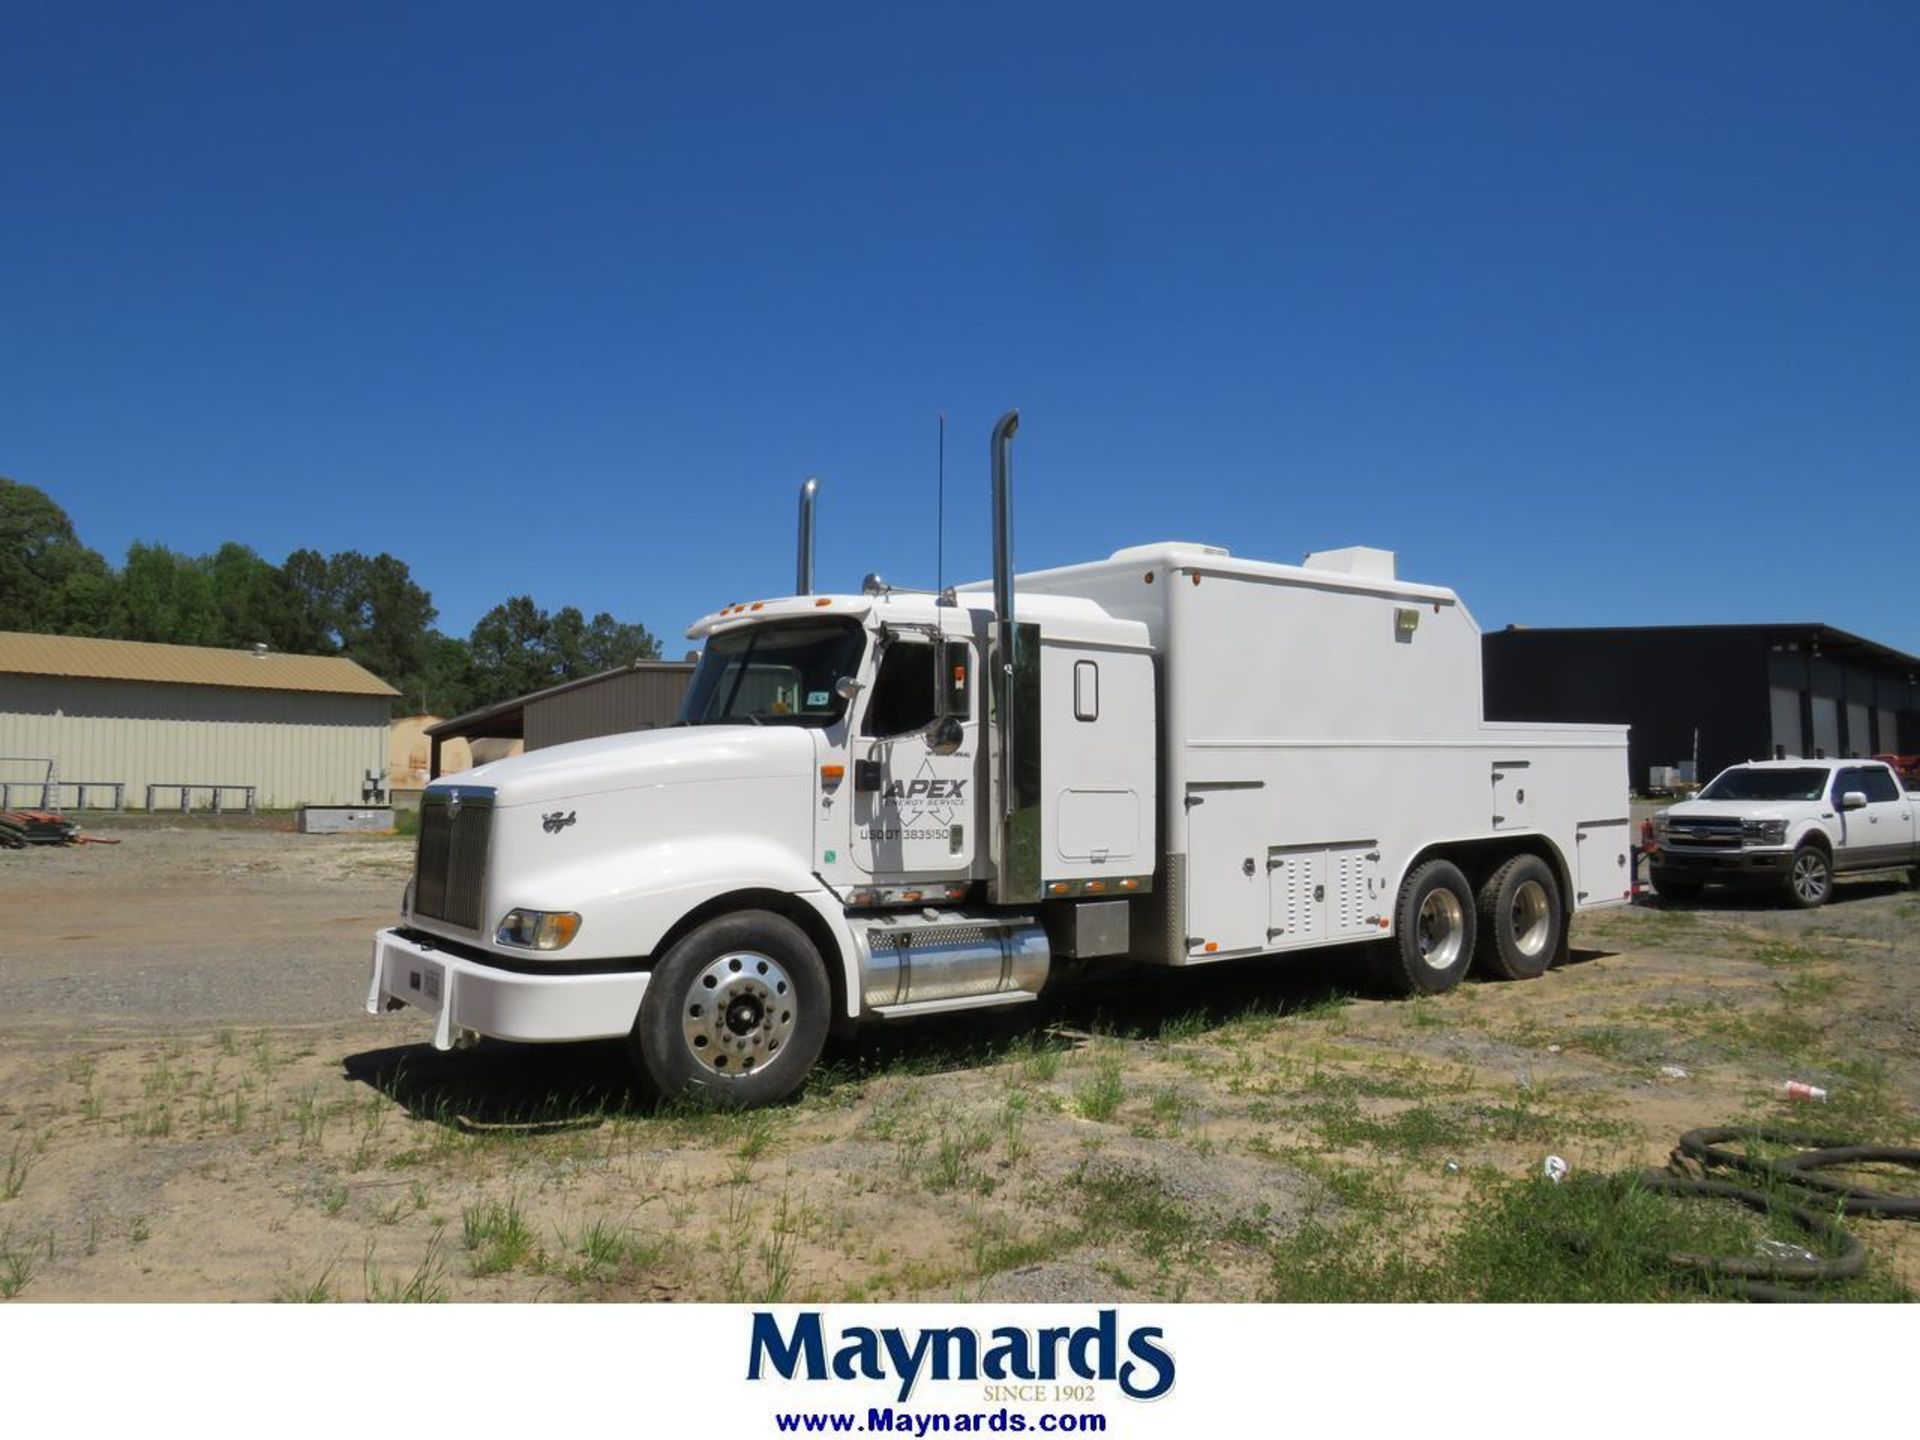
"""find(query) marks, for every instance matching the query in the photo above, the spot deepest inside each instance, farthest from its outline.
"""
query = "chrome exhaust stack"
(1003, 432)
(803, 573)
(1015, 773)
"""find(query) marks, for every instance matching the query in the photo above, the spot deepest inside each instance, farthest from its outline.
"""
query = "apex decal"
(923, 789)
(858, 1352)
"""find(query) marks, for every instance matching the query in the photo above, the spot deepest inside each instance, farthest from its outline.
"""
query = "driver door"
(913, 787)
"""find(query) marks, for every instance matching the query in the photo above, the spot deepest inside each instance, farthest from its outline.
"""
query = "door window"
(1879, 786)
(904, 691)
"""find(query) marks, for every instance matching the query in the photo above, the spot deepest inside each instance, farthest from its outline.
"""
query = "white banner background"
(680, 1370)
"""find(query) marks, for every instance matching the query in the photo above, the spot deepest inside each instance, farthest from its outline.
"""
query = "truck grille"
(450, 867)
(1707, 832)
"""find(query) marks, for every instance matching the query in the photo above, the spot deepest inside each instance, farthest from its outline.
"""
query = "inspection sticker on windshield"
(817, 699)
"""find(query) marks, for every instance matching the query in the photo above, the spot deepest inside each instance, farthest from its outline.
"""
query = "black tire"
(1670, 887)
(1430, 959)
(1520, 918)
(1809, 882)
(736, 1012)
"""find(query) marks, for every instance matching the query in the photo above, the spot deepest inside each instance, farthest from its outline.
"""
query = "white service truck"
(1787, 824)
(889, 804)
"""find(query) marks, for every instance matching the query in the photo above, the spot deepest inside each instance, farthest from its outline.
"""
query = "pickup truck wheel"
(1670, 887)
(1519, 921)
(1433, 931)
(1809, 878)
(736, 1012)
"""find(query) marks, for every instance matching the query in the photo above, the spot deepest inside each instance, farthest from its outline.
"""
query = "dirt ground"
(194, 1106)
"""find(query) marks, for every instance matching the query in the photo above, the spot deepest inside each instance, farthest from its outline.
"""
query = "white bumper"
(465, 996)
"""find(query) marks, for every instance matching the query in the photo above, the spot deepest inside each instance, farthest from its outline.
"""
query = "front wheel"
(1809, 878)
(736, 1012)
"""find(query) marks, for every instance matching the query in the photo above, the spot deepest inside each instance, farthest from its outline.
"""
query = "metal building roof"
(76, 657)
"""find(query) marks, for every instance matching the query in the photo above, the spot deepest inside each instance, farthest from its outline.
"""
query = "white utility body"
(886, 804)
(1790, 824)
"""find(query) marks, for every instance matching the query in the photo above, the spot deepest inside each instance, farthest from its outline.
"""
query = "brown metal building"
(644, 695)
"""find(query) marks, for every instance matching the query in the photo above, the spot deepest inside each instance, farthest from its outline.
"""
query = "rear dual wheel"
(1521, 917)
(1433, 926)
(1511, 927)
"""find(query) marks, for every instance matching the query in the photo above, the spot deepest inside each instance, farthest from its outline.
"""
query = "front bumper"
(470, 997)
(1722, 866)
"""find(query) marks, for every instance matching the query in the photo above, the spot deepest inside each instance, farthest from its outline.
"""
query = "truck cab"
(1790, 825)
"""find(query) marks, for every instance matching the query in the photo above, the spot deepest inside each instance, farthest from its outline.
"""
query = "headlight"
(538, 929)
(1660, 823)
(1763, 832)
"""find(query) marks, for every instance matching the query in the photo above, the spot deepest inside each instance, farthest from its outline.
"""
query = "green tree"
(512, 647)
(251, 598)
(165, 596)
(445, 684)
(49, 581)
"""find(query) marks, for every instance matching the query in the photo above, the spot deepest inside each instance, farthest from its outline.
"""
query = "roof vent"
(1360, 560)
(259, 649)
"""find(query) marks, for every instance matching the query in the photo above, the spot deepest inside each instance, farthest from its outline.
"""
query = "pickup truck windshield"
(779, 673)
(1744, 784)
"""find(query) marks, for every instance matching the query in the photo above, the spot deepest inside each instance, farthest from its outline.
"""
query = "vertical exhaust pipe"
(1003, 433)
(803, 575)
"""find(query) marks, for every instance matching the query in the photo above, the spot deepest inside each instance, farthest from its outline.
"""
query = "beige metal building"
(641, 696)
(295, 729)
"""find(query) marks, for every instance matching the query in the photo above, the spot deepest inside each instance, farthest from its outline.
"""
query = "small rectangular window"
(1086, 690)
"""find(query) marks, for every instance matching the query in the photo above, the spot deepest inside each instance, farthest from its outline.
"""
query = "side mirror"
(846, 687)
(1854, 800)
(947, 734)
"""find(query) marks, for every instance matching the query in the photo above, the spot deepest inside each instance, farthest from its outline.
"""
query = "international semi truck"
(892, 803)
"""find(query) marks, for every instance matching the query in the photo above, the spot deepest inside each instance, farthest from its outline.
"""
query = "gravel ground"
(192, 926)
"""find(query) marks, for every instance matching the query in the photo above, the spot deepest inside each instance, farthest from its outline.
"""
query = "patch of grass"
(317, 1291)
(426, 1285)
(1184, 1027)
(1040, 1058)
(498, 1236)
(1416, 1130)
(20, 1162)
(1587, 1240)
(955, 1150)
(16, 1268)
(1098, 1096)
(335, 1199)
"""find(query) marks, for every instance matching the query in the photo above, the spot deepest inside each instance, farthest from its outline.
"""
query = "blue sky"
(1603, 314)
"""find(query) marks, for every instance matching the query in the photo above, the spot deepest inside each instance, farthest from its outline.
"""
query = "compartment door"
(1296, 897)
(1510, 794)
(1600, 861)
(1226, 869)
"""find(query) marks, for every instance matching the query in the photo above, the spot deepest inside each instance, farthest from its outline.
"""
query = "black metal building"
(1747, 692)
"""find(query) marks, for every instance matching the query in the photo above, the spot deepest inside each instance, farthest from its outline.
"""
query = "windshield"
(779, 673)
(1743, 784)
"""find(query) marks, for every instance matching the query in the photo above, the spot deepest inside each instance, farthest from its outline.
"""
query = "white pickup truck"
(1792, 824)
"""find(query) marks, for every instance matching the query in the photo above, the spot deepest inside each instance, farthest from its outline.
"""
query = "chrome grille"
(450, 865)
(1715, 832)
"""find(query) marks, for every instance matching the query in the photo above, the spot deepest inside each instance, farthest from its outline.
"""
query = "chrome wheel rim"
(1532, 918)
(1810, 876)
(1442, 927)
(739, 1013)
